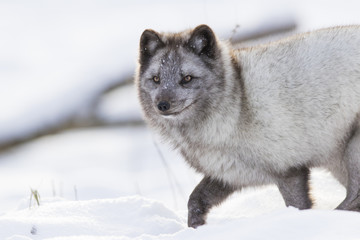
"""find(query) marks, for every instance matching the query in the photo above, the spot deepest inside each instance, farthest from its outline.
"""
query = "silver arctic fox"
(259, 115)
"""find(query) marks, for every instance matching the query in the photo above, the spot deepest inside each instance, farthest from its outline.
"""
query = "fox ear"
(149, 43)
(203, 41)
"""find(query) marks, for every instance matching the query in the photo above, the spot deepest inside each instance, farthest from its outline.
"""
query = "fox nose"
(163, 106)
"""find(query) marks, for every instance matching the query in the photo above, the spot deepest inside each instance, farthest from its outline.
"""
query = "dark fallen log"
(66, 126)
(84, 118)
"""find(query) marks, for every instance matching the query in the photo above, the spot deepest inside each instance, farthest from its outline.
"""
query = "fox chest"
(230, 163)
(245, 160)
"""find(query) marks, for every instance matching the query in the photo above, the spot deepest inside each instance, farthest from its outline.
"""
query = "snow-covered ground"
(123, 183)
(141, 218)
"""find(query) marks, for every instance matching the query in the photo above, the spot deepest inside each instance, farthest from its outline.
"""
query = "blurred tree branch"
(84, 118)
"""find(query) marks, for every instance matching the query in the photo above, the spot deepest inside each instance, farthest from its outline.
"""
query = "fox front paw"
(196, 218)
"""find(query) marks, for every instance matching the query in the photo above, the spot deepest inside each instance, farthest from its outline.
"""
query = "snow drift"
(140, 218)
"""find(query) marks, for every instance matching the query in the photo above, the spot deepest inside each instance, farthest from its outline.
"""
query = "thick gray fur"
(259, 115)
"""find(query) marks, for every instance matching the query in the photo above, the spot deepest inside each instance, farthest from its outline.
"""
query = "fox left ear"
(150, 42)
(203, 41)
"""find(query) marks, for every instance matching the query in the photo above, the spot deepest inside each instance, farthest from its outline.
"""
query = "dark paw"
(196, 218)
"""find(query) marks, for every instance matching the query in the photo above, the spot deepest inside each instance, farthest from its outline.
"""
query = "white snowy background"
(123, 182)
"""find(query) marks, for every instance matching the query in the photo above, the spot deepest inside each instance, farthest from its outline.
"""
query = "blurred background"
(70, 123)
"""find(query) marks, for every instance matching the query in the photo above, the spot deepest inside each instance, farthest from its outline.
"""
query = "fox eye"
(186, 79)
(156, 79)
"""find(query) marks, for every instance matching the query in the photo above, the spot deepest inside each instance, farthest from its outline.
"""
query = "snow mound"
(127, 216)
(140, 218)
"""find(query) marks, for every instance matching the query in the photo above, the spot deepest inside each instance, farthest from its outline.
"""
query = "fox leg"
(208, 192)
(352, 161)
(294, 188)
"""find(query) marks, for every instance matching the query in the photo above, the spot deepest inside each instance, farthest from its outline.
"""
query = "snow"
(124, 183)
(127, 216)
(135, 217)
(124, 193)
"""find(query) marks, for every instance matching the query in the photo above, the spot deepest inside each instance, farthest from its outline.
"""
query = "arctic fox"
(258, 115)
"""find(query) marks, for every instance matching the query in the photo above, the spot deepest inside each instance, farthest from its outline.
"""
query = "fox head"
(179, 75)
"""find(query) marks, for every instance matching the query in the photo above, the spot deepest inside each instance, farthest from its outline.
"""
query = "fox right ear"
(203, 41)
(149, 43)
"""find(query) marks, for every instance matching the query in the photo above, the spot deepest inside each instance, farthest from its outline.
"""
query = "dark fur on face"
(170, 58)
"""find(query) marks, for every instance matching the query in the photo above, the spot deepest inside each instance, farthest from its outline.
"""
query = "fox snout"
(169, 107)
(163, 106)
(165, 102)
